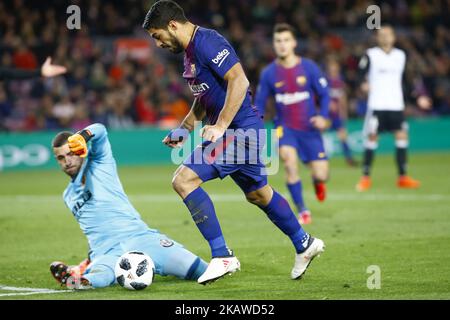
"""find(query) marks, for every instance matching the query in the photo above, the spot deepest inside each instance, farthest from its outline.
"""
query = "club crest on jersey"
(193, 69)
(166, 243)
(279, 84)
(301, 80)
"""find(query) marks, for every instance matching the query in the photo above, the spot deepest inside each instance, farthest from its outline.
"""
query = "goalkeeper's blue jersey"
(97, 199)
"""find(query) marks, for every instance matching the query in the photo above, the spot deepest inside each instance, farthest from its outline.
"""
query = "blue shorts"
(237, 154)
(170, 257)
(309, 144)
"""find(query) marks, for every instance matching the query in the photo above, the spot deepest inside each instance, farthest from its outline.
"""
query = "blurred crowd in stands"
(122, 91)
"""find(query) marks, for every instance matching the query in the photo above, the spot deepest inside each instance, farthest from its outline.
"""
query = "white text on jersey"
(198, 89)
(221, 56)
(291, 98)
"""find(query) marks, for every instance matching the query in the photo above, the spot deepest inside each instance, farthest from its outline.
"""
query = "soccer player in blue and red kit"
(222, 101)
(297, 83)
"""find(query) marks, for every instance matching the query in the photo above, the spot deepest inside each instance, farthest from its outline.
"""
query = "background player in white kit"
(384, 66)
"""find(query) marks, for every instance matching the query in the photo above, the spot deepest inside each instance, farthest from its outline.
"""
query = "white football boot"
(302, 260)
(218, 267)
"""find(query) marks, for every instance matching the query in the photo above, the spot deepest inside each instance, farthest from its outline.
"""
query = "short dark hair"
(61, 139)
(161, 13)
(282, 27)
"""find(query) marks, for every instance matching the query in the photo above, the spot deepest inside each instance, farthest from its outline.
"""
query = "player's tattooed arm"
(237, 86)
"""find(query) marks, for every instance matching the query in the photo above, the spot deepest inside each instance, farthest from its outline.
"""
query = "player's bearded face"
(166, 39)
(69, 162)
(175, 45)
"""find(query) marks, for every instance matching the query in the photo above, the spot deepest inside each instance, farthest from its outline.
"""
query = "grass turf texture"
(404, 232)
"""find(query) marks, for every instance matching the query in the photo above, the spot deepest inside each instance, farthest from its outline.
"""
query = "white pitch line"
(30, 293)
(238, 197)
(8, 288)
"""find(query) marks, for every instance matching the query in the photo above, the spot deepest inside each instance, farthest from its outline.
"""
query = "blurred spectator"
(146, 88)
(145, 110)
(64, 111)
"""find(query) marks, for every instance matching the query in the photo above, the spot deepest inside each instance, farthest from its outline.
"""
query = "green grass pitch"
(404, 232)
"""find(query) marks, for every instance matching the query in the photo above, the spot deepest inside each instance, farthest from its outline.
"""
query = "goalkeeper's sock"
(296, 191)
(204, 216)
(196, 270)
(281, 215)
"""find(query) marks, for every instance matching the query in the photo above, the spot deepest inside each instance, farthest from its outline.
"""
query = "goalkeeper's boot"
(407, 182)
(364, 184)
(304, 217)
(219, 267)
(302, 260)
(61, 272)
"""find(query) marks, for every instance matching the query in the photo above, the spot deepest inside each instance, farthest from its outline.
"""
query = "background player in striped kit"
(296, 83)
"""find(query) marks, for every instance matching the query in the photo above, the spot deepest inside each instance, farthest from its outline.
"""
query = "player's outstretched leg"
(279, 212)
(187, 184)
(101, 275)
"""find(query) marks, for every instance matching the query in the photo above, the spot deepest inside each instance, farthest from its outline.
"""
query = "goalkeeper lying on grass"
(107, 218)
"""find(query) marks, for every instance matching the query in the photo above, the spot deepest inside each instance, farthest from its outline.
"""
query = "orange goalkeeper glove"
(78, 143)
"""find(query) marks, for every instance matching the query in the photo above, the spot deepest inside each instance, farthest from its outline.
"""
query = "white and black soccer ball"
(135, 270)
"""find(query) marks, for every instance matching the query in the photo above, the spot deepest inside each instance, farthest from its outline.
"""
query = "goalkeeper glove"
(78, 142)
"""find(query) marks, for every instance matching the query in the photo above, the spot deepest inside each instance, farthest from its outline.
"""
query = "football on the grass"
(134, 270)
